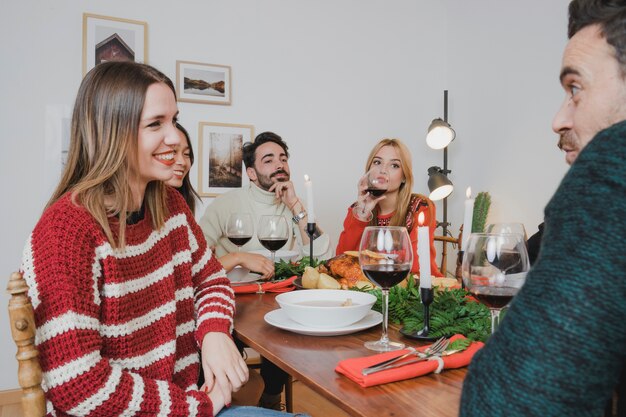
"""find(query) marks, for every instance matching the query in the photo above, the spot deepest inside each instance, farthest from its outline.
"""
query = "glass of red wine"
(239, 229)
(377, 181)
(494, 269)
(374, 183)
(273, 233)
(385, 256)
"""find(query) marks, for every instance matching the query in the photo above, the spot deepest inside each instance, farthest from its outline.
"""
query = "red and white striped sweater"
(119, 331)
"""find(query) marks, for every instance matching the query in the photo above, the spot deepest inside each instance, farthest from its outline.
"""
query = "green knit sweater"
(562, 345)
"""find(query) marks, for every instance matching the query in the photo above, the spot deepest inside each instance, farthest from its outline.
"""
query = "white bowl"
(323, 308)
(281, 255)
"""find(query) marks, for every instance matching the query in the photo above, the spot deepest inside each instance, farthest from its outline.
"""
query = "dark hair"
(249, 148)
(188, 192)
(610, 15)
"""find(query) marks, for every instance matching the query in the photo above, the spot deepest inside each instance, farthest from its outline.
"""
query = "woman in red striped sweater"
(129, 301)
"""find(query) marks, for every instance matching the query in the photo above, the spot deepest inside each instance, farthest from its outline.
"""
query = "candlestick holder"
(427, 296)
(310, 230)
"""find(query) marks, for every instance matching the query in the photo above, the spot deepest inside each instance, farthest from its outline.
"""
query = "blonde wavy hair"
(103, 146)
(404, 193)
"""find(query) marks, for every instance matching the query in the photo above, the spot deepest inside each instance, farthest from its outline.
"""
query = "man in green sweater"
(561, 349)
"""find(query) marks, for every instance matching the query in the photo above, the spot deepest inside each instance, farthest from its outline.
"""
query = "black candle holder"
(310, 230)
(427, 296)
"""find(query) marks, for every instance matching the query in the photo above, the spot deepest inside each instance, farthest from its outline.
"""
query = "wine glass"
(385, 256)
(273, 233)
(239, 229)
(494, 269)
(507, 228)
(376, 182)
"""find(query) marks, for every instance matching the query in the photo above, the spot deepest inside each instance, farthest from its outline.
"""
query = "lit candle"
(308, 186)
(423, 252)
(467, 218)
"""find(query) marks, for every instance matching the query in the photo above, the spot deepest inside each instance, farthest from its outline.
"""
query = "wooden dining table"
(312, 361)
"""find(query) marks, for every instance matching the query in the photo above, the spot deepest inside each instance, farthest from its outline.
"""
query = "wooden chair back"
(22, 319)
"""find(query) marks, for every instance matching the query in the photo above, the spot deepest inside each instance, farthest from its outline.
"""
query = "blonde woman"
(396, 207)
(129, 301)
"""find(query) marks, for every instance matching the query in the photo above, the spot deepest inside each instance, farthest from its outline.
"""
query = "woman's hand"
(222, 364)
(366, 202)
(217, 397)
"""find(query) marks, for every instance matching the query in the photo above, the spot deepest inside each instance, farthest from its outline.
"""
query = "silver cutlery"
(421, 359)
(435, 349)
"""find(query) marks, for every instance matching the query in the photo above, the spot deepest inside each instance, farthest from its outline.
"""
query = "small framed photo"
(203, 83)
(113, 39)
(221, 167)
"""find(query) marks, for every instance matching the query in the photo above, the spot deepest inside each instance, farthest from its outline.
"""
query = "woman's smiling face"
(158, 136)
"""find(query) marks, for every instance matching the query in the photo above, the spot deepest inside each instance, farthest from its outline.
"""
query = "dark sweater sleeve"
(562, 344)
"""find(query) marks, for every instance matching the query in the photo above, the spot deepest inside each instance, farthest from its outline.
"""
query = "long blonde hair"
(404, 193)
(103, 145)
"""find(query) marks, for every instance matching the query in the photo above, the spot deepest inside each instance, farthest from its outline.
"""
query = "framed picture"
(221, 166)
(113, 39)
(203, 83)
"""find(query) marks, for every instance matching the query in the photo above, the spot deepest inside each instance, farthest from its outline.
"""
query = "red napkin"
(352, 367)
(280, 286)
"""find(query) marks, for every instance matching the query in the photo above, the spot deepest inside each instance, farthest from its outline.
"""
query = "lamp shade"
(438, 183)
(440, 134)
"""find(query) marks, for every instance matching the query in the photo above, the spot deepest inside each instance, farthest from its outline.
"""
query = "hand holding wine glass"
(372, 188)
(273, 233)
(239, 229)
(385, 256)
(494, 269)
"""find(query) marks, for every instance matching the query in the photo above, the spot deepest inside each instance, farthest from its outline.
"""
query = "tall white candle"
(423, 252)
(308, 186)
(467, 218)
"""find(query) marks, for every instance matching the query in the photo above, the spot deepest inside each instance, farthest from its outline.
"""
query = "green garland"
(285, 269)
(450, 313)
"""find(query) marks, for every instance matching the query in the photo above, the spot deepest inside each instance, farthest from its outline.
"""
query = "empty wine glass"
(494, 269)
(385, 256)
(239, 229)
(273, 233)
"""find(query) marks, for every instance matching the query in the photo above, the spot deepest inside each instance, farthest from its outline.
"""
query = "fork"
(435, 349)
(420, 359)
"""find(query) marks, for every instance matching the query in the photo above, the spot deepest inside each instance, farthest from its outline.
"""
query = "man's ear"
(251, 174)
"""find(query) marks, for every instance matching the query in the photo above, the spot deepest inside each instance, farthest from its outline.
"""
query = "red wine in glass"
(386, 276)
(273, 233)
(239, 240)
(239, 229)
(272, 244)
(376, 192)
(494, 297)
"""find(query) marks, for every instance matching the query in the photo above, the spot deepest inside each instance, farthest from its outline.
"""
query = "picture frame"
(203, 83)
(220, 167)
(108, 38)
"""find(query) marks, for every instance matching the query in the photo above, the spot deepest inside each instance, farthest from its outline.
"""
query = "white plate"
(278, 318)
(240, 276)
(281, 255)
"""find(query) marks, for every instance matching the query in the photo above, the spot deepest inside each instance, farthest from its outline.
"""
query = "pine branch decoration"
(481, 210)
(450, 313)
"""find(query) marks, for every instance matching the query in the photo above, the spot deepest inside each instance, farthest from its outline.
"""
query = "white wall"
(331, 76)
